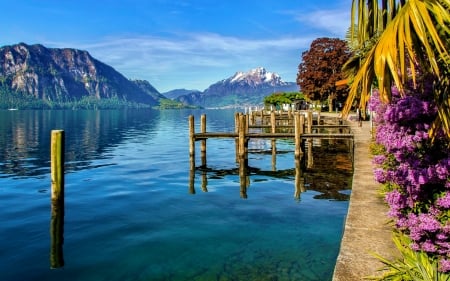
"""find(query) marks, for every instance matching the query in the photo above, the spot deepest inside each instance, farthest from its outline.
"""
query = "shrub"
(415, 170)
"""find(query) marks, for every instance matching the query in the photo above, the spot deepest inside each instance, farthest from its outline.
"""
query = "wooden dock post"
(203, 141)
(247, 122)
(191, 136)
(57, 165)
(273, 121)
(310, 122)
(241, 151)
(191, 176)
(236, 130)
(298, 130)
(273, 125)
(57, 199)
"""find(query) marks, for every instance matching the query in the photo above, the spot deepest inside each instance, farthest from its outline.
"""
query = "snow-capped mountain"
(256, 76)
(243, 88)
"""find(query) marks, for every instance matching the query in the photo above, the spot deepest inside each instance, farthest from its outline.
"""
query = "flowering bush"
(416, 170)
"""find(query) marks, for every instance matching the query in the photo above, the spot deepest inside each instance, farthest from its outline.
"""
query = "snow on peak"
(257, 75)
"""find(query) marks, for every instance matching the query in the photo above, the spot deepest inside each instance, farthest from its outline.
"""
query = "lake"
(133, 210)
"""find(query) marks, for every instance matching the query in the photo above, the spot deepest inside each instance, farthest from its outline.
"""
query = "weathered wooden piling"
(57, 199)
(191, 136)
(57, 164)
(191, 175)
(203, 141)
(236, 130)
(273, 121)
(273, 124)
(298, 131)
(242, 140)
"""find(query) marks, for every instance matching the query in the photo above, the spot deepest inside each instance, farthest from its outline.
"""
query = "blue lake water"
(133, 210)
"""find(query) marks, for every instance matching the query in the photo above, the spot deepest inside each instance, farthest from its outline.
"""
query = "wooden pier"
(299, 125)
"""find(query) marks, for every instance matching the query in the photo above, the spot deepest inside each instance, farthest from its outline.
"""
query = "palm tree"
(391, 41)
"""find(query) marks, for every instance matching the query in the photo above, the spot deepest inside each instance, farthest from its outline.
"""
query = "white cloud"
(197, 60)
(335, 22)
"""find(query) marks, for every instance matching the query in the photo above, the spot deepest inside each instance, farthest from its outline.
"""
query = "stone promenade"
(366, 229)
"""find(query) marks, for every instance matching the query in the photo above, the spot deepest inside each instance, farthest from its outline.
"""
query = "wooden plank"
(201, 136)
(292, 126)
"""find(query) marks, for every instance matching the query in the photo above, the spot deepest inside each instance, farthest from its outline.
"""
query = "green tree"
(392, 41)
(321, 68)
(280, 98)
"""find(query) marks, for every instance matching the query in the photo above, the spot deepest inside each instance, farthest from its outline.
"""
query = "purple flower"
(418, 168)
(429, 223)
(444, 201)
(444, 265)
(429, 246)
(379, 159)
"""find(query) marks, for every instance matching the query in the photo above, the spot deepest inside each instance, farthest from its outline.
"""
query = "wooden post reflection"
(274, 156)
(204, 181)
(299, 180)
(57, 235)
(192, 175)
(243, 178)
(57, 199)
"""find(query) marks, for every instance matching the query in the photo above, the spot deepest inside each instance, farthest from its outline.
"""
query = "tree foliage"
(392, 41)
(283, 98)
(321, 68)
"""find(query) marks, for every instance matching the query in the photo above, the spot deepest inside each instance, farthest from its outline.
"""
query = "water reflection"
(329, 174)
(57, 234)
(25, 137)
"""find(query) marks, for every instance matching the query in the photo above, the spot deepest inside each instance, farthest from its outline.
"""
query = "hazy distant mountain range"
(243, 88)
(64, 75)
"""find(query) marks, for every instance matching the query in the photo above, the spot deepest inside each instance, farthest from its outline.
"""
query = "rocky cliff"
(64, 75)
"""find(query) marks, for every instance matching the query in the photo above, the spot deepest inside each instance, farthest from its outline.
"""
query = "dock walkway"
(366, 230)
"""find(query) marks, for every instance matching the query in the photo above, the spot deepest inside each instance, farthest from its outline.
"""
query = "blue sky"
(176, 44)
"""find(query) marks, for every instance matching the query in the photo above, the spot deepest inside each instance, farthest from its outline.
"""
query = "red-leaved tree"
(321, 68)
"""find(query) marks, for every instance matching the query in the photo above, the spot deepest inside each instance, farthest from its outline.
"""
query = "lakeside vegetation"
(400, 70)
(16, 100)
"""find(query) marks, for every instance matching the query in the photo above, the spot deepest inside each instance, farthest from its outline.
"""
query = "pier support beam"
(203, 141)
(299, 120)
(57, 199)
(191, 136)
(241, 151)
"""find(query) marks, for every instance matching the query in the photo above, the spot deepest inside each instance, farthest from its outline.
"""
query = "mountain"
(67, 75)
(145, 86)
(243, 88)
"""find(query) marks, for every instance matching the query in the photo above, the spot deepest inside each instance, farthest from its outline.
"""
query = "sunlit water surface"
(132, 212)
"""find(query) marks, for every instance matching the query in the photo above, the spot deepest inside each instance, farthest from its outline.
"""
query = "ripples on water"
(131, 214)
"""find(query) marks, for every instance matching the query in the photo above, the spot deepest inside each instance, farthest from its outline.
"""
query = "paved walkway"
(366, 229)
